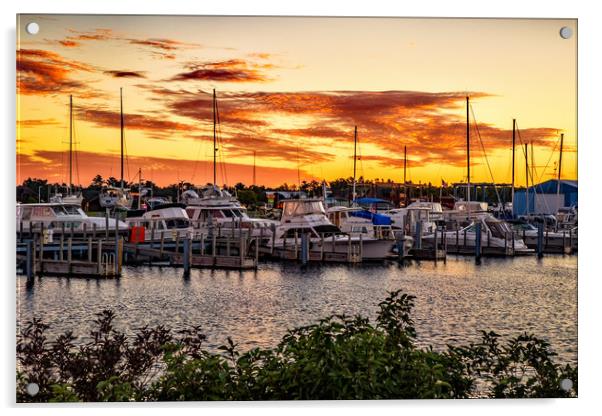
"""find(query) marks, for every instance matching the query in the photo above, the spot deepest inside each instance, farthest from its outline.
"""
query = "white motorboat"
(550, 239)
(167, 222)
(59, 217)
(218, 211)
(69, 199)
(308, 216)
(426, 213)
(494, 233)
(113, 197)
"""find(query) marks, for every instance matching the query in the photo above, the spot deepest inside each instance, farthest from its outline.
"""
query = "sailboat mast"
(560, 164)
(254, 168)
(468, 150)
(354, 161)
(70, 142)
(214, 138)
(139, 186)
(513, 155)
(121, 128)
(527, 176)
(532, 165)
(405, 183)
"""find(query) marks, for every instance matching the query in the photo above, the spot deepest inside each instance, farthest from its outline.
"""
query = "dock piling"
(540, 240)
(477, 245)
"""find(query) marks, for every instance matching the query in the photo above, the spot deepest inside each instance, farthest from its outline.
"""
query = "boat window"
(72, 210)
(42, 212)
(217, 214)
(25, 213)
(59, 211)
(177, 223)
(290, 233)
(237, 213)
(362, 230)
(227, 213)
(303, 208)
(498, 229)
(327, 229)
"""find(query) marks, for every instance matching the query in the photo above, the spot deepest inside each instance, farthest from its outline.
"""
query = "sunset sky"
(290, 91)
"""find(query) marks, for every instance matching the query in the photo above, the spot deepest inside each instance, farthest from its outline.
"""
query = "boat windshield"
(72, 210)
(498, 229)
(299, 208)
(59, 211)
(177, 223)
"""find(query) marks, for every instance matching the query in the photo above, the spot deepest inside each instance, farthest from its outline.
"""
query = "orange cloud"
(233, 70)
(43, 72)
(125, 74)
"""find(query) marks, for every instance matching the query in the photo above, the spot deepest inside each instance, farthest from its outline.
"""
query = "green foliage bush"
(339, 357)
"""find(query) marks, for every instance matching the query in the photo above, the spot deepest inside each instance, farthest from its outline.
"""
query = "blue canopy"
(371, 201)
(377, 219)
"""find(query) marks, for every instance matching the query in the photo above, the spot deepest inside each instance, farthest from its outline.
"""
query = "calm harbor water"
(454, 300)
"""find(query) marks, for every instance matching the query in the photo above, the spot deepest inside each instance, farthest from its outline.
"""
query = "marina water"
(455, 300)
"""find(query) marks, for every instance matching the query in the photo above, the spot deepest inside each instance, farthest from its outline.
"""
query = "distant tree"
(97, 181)
(247, 197)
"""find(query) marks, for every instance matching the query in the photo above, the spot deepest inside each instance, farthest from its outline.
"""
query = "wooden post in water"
(69, 254)
(29, 260)
(304, 248)
(296, 244)
(349, 247)
(99, 256)
(107, 223)
(62, 247)
(361, 247)
(477, 245)
(119, 257)
(321, 246)
(213, 247)
(41, 253)
(257, 250)
(418, 240)
(94, 231)
(186, 257)
(242, 249)
(273, 229)
(89, 249)
(539, 240)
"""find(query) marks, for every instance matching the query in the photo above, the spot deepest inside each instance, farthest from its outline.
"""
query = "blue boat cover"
(377, 219)
(371, 201)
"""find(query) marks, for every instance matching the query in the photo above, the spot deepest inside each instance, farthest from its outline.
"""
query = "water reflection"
(455, 299)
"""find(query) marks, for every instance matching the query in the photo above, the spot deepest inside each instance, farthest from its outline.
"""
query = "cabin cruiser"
(494, 233)
(168, 222)
(356, 220)
(217, 208)
(57, 216)
(429, 214)
(309, 216)
(567, 217)
(69, 199)
(113, 197)
(529, 234)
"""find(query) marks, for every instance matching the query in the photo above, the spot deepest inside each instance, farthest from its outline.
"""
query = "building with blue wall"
(543, 198)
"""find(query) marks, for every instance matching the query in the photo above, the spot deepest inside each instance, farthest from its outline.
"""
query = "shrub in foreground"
(339, 357)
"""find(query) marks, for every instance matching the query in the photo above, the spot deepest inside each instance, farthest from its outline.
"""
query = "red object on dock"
(136, 234)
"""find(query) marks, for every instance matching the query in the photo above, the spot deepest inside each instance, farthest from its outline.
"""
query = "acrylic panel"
(282, 208)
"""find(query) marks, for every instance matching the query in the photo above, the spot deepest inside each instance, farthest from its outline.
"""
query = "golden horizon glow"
(290, 91)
